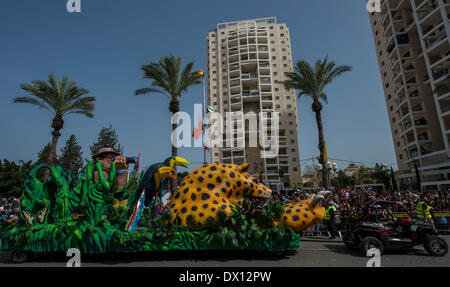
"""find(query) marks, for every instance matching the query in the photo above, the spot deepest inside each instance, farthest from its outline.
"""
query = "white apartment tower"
(247, 61)
(413, 49)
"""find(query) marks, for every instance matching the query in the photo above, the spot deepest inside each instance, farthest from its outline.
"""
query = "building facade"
(247, 61)
(413, 50)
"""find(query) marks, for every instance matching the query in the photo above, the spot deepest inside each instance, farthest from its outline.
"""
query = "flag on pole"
(198, 131)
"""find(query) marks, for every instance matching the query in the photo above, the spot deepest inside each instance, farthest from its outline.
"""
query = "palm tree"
(311, 82)
(170, 79)
(60, 98)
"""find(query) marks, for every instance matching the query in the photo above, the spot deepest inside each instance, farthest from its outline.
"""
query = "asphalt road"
(312, 253)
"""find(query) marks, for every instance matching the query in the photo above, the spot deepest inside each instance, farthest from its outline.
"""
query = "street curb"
(312, 239)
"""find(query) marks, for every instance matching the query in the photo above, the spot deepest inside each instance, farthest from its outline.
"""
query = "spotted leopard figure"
(305, 213)
(216, 187)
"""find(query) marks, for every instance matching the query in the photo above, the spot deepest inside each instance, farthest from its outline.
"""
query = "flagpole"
(202, 74)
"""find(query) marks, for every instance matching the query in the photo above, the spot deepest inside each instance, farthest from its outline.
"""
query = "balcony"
(408, 126)
(439, 73)
(425, 10)
(421, 122)
(402, 99)
(249, 76)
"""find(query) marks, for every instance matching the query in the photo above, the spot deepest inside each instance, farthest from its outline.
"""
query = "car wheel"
(436, 246)
(370, 242)
(20, 256)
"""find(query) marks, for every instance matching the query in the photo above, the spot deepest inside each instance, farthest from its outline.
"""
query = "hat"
(105, 150)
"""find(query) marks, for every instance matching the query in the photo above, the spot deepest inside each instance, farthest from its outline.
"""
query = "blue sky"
(103, 47)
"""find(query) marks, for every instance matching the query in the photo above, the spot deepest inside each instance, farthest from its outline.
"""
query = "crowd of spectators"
(9, 210)
(348, 200)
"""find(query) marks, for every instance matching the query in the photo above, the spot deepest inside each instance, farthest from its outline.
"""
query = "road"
(312, 253)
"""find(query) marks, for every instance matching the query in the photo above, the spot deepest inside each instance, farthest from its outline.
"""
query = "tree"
(170, 79)
(60, 98)
(312, 82)
(107, 137)
(364, 176)
(71, 155)
(381, 175)
(12, 177)
(343, 180)
(44, 154)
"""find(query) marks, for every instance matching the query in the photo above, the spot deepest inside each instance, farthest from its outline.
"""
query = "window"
(277, 97)
(294, 159)
(276, 89)
(274, 58)
(284, 58)
(271, 35)
(389, 96)
(400, 156)
(278, 106)
(283, 42)
(274, 65)
(285, 65)
(382, 64)
(387, 85)
(292, 141)
(273, 50)
(272, 42)
(295, 169)
(281, 35)
(293, 150)
(275, 73)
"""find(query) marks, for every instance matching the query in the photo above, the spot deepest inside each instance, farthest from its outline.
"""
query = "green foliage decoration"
(83, 217)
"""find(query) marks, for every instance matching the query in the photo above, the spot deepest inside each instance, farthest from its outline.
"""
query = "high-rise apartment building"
(412, 43)
(247, 61)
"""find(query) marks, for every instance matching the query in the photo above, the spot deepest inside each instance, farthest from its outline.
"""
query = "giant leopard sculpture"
(218, 187)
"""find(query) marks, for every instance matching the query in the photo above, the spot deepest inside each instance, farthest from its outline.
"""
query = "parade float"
(212, 209)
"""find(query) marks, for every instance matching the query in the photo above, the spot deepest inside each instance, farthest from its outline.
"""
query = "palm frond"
(150, 90)
(168, 77)
(28, 100)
